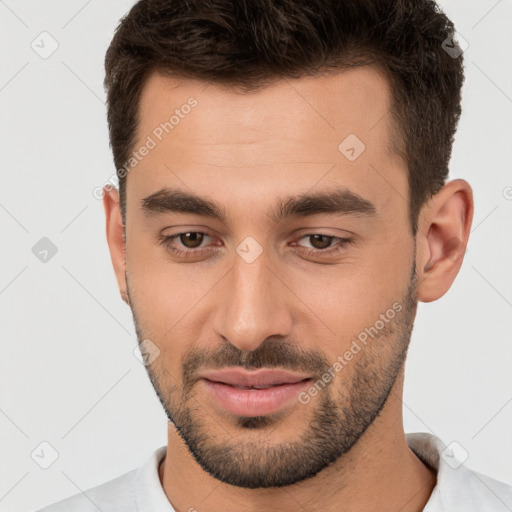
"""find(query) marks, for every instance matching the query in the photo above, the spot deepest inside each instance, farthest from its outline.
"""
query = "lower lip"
(254, 402)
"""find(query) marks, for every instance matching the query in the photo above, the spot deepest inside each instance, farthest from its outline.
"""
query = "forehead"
(332, 104)
(290, 133)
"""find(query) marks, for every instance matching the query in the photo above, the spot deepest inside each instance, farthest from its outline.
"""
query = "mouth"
(259, 379)
(258, 387)
(253, 393)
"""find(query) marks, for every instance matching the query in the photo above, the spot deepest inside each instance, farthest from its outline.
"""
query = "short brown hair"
(247, 44)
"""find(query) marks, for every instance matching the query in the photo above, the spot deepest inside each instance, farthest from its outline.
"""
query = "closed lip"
(259, 378)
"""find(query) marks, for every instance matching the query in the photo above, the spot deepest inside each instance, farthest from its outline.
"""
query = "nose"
(253, 304)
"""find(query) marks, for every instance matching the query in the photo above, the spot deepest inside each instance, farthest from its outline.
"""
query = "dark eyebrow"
(178, 201)
(337, 201)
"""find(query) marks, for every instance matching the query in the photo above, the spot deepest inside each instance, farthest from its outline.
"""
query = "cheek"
(344, 300)
(169, 298)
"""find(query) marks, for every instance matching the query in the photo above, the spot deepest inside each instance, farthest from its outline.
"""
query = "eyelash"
(166, 241)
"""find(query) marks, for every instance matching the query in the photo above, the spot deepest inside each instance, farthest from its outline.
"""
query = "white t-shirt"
(457, 489)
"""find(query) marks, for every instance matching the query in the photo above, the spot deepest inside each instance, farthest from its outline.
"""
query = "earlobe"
(125, 297)
(115, 237)
(442, 237)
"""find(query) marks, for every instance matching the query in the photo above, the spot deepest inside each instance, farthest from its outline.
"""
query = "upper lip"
(262, 377)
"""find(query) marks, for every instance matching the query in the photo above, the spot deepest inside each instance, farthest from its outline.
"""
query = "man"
(282, 208)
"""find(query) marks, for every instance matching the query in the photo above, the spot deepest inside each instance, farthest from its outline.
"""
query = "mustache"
(271, 353)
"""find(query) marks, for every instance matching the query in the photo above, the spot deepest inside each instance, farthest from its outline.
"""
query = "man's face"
(256, 291)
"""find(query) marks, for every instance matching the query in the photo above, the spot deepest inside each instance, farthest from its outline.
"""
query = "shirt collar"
(149, 493)
(458, 487)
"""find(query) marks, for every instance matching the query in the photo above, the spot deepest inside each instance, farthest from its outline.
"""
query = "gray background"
(68, 375)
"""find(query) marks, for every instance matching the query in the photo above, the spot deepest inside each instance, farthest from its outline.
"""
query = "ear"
(115, 237)
(443, 231)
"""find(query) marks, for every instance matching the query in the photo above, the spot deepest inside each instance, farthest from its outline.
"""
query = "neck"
(380, 472)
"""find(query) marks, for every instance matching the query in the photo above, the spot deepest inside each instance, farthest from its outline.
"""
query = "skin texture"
(287, 308)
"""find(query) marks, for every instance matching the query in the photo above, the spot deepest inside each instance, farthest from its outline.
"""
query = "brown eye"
(186, 244)
(322, 244)
(320, 241)
(192, 239)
